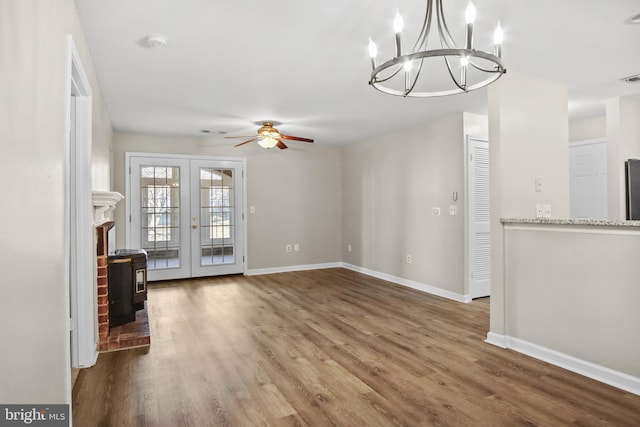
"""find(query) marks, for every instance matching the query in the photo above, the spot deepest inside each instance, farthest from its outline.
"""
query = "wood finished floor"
(330, 347)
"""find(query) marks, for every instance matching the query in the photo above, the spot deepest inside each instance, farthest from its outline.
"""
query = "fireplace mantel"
(104, 202)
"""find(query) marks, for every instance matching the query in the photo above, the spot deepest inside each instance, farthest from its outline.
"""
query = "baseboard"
(410, 283)
(496, 339)
(290, 268)
(591, 370)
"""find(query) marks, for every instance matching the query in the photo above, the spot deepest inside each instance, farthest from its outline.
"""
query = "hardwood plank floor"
(330, 347)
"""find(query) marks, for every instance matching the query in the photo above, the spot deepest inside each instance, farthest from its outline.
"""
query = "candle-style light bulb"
(373, 49)
(407, 76)
(470, 17)
(398, 23)
(470, 13)
(373, 52)
(498, 35)
(498, 38)
(464, 61)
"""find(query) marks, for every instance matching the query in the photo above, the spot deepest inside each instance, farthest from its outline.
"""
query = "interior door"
(588, 179)
(187, 214)
(479, 238)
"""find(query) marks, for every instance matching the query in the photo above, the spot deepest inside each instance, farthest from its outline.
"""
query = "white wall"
(296, 193)
(33, 308)
(528, 130)
(585, 129)
(390, 184)
(576, 292)
(623, 142)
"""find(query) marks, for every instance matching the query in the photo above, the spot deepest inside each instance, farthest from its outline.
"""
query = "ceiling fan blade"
(246, 142)
(240, 136)
(281, 145)
(295, 138)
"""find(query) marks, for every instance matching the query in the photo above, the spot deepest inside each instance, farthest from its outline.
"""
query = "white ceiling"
(230, 63)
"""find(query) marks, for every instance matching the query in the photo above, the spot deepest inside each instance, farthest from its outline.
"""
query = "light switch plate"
(546, 211)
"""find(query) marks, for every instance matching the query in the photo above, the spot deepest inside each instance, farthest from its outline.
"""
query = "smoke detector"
(632, 79)
(155, 41)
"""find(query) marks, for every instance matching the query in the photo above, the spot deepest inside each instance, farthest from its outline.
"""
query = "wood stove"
(127, 276)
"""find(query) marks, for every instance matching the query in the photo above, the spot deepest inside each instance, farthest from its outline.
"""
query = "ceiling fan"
(269, 137)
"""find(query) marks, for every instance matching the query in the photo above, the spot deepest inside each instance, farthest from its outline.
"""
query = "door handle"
(194, 226)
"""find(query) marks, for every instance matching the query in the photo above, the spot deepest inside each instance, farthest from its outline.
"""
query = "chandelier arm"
(486, 70)
(423, 38)
(446, 60)
(445, 35)
(390, 77)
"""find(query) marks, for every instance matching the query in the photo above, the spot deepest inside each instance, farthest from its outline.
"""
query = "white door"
(187, 214)
(217, 232)
(478, 217)
(588, 179)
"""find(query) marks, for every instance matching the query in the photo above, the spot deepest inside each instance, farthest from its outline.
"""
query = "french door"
(187, 213)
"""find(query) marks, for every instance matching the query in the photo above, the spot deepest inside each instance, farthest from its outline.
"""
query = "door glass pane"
(160, 222)
(217, 230)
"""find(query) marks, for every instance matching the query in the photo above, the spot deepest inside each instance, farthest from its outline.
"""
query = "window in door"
(161, 209)
(217, 215)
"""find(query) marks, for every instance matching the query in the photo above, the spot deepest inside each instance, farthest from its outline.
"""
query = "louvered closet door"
(479, 216)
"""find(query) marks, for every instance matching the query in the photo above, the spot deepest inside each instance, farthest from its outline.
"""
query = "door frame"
(80, 249)
(128, 207)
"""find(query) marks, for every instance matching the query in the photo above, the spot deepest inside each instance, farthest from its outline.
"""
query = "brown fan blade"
(246, 142)
(240, 136)
(295, 138)
(281, 145)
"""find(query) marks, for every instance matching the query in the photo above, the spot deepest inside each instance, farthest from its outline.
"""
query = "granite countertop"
(558, 221)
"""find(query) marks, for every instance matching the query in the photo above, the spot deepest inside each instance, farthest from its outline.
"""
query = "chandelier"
(468, 69)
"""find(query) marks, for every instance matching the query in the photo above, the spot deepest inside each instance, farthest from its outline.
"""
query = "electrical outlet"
(435, 211)
(296, 247)
(538, 210)
(546, 211)
(408, 259)
(288, 248)
(453, 210)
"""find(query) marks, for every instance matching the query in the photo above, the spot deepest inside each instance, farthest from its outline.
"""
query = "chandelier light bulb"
(470, 13)
(407, 66)
(373, 49)
(498, 35)
(398, 23)
(464, 61)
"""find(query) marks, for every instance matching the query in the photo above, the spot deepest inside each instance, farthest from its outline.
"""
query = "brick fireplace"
(134, 334)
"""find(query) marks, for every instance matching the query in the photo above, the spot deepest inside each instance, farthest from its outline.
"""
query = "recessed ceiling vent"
(632, 79)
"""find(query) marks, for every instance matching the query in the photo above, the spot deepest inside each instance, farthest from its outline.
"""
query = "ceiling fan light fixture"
(267, 141)
(478, 68)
